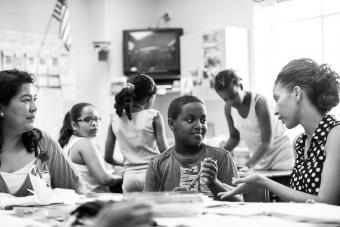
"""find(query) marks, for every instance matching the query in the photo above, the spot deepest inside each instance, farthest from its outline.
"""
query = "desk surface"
(214, 213)
(258, 214)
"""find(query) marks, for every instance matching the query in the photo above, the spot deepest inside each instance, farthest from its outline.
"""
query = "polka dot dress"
(306, 175)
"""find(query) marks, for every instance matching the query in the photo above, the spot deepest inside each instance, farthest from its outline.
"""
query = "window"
(294, 29)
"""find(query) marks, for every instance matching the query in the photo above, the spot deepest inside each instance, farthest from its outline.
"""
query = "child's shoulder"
(211, 150)
(147, 113)
(153, 112)
(214, 148)
(162, 156)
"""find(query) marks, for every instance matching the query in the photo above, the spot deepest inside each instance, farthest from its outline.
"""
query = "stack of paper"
(171, 204)
(58, 195)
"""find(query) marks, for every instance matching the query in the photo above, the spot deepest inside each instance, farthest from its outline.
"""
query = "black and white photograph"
(169, 113)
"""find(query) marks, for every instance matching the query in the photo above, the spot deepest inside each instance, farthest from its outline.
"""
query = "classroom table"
(259, 214)
(211, 213)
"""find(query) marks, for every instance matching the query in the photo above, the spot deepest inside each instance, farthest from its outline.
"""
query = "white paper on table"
(117, 197)
(225, 221)
(9, 200)
(309, 212)
(303, 212)
(42, 192)
(65, 196)
(59, 195)
(10, 221)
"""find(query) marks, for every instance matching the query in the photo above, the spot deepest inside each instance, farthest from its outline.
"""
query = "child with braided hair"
(138, 129)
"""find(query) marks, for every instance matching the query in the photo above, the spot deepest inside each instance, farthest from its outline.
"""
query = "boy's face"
(190, 126)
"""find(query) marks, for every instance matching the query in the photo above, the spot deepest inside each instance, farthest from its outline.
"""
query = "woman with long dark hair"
(25, 149)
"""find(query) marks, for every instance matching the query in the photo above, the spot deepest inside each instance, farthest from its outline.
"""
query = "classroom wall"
(32, 17)
(19, 15)
(196, 16)
(116, 16)
(104, 20)
(201, 15)
(91, 20)
(192, 15)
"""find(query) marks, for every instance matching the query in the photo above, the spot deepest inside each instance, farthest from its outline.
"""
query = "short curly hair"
(175, 107)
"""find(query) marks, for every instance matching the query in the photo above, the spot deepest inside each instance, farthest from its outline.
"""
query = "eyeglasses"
(89, 120)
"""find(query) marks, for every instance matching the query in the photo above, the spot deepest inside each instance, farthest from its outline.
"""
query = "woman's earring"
(2, 114)
(75, 132)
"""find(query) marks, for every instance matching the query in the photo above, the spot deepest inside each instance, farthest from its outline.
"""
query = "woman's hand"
(243, 186)
(125, 214)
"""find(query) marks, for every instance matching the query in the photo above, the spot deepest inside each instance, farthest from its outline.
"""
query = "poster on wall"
(26, 51)
(8, 57)
(49, 63)
(19, 60)
(31, 63)
(212, 56)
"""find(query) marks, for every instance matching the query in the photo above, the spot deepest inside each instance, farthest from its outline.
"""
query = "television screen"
(155, 52)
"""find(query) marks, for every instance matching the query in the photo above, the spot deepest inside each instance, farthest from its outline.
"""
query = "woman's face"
(21, 111)
(232, 95)
(87, 124)
(286, 106)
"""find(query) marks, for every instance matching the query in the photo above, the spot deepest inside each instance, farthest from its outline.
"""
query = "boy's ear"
(171, 124)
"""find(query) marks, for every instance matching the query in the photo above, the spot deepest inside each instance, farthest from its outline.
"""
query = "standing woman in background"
(304, 93)
(23, 148)
(79, 126)
(250, 117)
(138, 128)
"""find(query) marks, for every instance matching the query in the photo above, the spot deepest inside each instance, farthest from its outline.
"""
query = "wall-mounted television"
(155, 52)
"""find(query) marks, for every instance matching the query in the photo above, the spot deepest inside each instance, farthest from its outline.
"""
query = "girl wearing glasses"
(79, 126)
(138, 129)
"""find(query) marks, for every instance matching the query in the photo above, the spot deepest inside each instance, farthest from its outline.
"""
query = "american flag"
(61, 14)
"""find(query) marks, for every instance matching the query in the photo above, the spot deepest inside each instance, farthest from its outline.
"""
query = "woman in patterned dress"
(304, 93)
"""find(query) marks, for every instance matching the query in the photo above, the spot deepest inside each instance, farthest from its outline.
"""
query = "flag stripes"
(61, 14)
